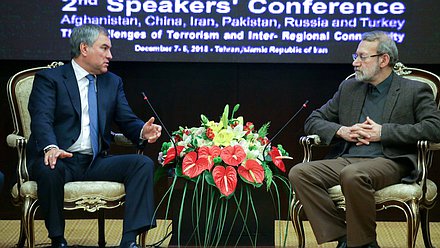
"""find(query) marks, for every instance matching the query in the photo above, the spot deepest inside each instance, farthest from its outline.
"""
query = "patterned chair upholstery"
(414, 200)
(91, 196)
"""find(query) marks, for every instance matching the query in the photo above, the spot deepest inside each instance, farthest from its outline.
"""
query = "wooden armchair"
(414, 200)
(91, 196)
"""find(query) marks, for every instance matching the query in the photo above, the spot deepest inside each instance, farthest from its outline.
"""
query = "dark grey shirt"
(373, 107)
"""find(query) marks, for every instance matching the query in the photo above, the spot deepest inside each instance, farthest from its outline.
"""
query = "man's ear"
(384, 60)
(83, 48)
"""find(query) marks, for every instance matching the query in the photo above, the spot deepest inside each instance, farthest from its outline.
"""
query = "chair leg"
(29, 208)
(101, 228)
(296, 208)
(413, 220)
(22, 238)
(424, 221)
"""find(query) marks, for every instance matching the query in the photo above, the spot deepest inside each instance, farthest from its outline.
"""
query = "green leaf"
(262, 132)
(204, 119)
(209, 178)
(179, 171)
(224, 120)
(194, 143)
(268, 175)
(236, 107)
(165, 147)
(281, 149)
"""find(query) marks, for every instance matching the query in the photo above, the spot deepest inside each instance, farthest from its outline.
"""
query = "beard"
(368, 74)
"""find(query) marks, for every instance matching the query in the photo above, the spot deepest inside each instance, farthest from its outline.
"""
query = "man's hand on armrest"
(52, 154)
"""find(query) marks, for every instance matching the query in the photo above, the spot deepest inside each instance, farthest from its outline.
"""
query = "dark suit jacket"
(55, 109)
(410, 114)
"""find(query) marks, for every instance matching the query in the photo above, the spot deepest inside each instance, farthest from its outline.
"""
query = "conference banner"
(279, 31)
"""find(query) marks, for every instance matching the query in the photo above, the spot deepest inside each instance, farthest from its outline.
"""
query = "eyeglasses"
(364, 57)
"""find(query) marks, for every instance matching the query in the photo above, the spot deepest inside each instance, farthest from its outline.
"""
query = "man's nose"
(356, 62)
(109, 55)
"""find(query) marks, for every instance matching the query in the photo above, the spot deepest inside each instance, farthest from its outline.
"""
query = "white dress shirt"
(83, 144)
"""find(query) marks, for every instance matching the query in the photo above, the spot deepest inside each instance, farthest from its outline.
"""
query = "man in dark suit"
(375, 121)
(71, 134)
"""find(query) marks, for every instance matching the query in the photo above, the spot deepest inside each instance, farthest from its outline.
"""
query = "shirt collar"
(80, 73)
(385, 85)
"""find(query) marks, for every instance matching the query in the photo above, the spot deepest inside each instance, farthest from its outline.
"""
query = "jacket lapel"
(358, 102)
(72, 88)
(102, 94)
(393, 94)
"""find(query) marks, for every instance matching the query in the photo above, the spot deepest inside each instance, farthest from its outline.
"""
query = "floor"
(83, 233)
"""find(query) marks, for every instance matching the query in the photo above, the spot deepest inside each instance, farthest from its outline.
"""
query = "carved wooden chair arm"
(12, 139)
(19, 142)
(424, 157)
(120, 140)
(307, 143)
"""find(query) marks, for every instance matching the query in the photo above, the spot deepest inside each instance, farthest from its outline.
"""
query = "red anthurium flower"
(225, 179)
(191, 166)
(252, 171)
(275, 154)
(210, 153)
(233, 155)
(202, 164)
(171, 154)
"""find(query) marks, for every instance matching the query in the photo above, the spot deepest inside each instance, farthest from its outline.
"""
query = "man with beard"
(374, 121)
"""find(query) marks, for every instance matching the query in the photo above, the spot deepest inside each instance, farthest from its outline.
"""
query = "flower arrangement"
(225, 152)
(223, 155)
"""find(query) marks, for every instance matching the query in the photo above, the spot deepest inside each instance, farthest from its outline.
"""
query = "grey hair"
(386, 44)
(87, 34)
